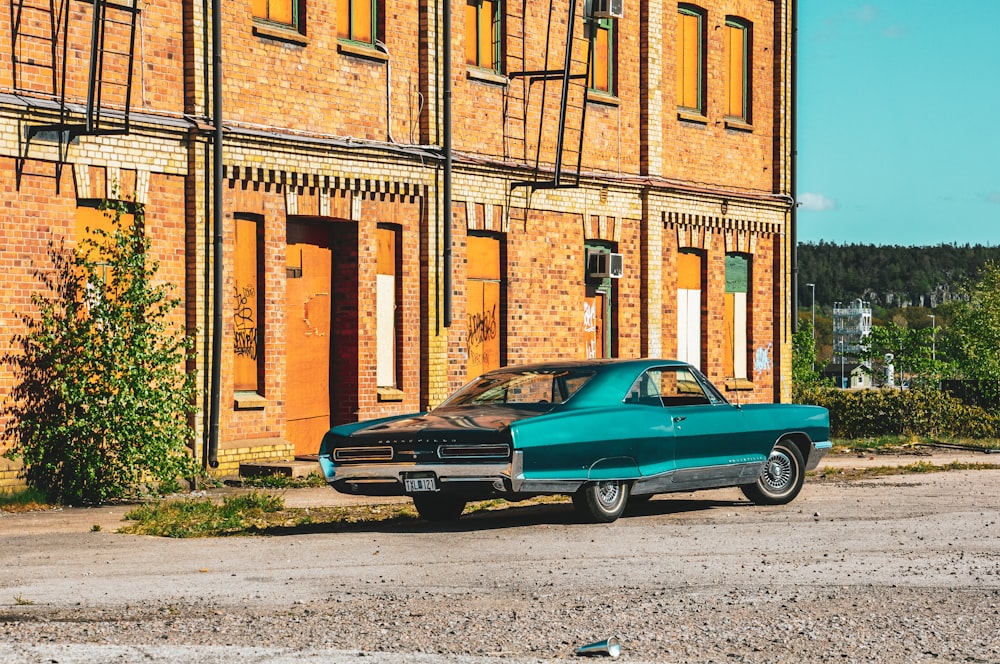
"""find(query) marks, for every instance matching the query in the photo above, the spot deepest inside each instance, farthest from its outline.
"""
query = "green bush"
(101, 403)
(889, 412)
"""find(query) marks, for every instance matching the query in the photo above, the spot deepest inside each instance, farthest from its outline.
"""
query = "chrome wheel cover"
(778, 472)
(609, 494)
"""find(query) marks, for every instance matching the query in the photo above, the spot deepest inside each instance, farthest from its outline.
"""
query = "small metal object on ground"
(611, 647)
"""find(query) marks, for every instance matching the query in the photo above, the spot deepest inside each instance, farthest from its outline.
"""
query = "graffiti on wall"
(590, 327)
(245, 321)
(482, 330)
(762, 360)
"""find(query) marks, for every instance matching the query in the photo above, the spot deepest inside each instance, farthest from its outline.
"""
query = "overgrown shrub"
(101, 403)
(889, 412)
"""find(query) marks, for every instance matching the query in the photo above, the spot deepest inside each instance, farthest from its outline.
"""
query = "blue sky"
(899, 122)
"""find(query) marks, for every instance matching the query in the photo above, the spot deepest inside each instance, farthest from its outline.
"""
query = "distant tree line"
(888, 276)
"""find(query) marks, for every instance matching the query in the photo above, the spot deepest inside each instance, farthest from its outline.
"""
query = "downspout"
(213, 431)
(793, 217)
(446, 112)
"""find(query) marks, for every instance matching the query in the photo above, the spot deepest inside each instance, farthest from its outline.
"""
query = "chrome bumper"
(817, 452)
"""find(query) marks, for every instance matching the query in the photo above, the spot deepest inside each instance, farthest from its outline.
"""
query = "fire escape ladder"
(570, 78)
(39, 43)
(111, 59)
(515, 102)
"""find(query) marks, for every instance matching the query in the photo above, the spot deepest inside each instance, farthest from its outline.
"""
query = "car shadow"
(511, 515)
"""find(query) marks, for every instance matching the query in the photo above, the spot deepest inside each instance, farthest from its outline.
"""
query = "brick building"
(347, 291)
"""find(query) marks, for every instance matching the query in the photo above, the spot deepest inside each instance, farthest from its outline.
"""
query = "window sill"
(485, 76)
(738, 125)
(692, 116)
(602, 98)
(739, 384)
(390, 394)
(289, 35)
(249, 401)
(359, 50)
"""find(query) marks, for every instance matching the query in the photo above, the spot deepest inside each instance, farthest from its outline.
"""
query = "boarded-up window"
(277, 11)
(385, 308)
(482, 38)
(736, 70)
(602, 68)
(356, 20)
(690, 22)
(735, 315)
(247, 291)
(689, 288)
(483, 308)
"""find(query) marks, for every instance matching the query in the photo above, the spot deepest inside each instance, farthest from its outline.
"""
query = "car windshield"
(540, 386)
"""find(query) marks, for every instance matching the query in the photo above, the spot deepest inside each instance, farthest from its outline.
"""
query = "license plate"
(417, 484)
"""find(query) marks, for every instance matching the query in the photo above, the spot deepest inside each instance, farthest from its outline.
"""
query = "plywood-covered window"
(484, 283)
(690, 57)
(357, 20)
(246, 299)
(282, 12)
(736, 69)
(482, 34)
(602, 68)
(689, 290)
(735, 318)
(386, 306)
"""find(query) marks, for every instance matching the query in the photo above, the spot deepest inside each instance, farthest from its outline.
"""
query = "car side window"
(668, 386)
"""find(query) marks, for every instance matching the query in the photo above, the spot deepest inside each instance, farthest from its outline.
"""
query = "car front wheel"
(438, 507)
(601, 502)
(781, 479)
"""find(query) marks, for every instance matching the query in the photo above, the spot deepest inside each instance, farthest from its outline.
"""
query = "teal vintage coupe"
(603, 431)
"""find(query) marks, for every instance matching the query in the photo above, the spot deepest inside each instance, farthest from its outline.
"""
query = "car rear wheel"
(438, 507)
(601, 502)
(781, 479)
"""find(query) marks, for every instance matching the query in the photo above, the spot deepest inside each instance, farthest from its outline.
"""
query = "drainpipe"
(216, 398)
(446, 112)
(793, 139)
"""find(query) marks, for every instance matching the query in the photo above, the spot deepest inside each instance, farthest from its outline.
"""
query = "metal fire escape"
(40, 41)
(563, 85)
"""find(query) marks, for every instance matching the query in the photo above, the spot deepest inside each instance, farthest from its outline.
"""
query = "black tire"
(601, 502)
(439, 507)
(782, 477)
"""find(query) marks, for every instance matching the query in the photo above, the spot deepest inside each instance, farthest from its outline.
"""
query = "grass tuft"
(25, 500)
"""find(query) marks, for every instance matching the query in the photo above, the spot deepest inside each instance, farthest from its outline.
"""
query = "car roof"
(612, 377)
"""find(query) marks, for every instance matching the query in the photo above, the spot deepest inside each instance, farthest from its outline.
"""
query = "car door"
(709, 433)
(653, 442)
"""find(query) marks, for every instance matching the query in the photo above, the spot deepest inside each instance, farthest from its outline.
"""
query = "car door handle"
(679, 419)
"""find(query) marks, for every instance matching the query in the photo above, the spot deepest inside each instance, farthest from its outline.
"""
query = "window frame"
(295, 9)
(474, 35)
(698, 13)
(374, 23)
(238, 267)
(734, 24)
(596, 26)
(393, 354)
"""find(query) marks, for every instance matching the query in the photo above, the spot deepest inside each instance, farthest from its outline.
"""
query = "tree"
(973, 338)
(102, 402)
(804, 371)
(908, 351)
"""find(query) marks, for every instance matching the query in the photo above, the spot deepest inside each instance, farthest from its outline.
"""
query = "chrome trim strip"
(363, 453)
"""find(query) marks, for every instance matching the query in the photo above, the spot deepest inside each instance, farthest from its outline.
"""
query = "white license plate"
(415, 484)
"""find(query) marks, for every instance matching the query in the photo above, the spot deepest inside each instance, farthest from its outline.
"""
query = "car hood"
(454, 419)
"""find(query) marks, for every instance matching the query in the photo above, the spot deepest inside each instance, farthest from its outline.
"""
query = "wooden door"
(309, 260)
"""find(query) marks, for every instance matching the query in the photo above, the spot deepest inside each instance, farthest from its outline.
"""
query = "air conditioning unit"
(601, 265)
(608, 8)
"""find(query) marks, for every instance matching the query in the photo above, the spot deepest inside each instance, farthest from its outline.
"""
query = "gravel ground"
(897, 569)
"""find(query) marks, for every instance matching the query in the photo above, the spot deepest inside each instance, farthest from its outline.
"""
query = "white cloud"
(993, 197)
(866, 14)
(816, 202)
